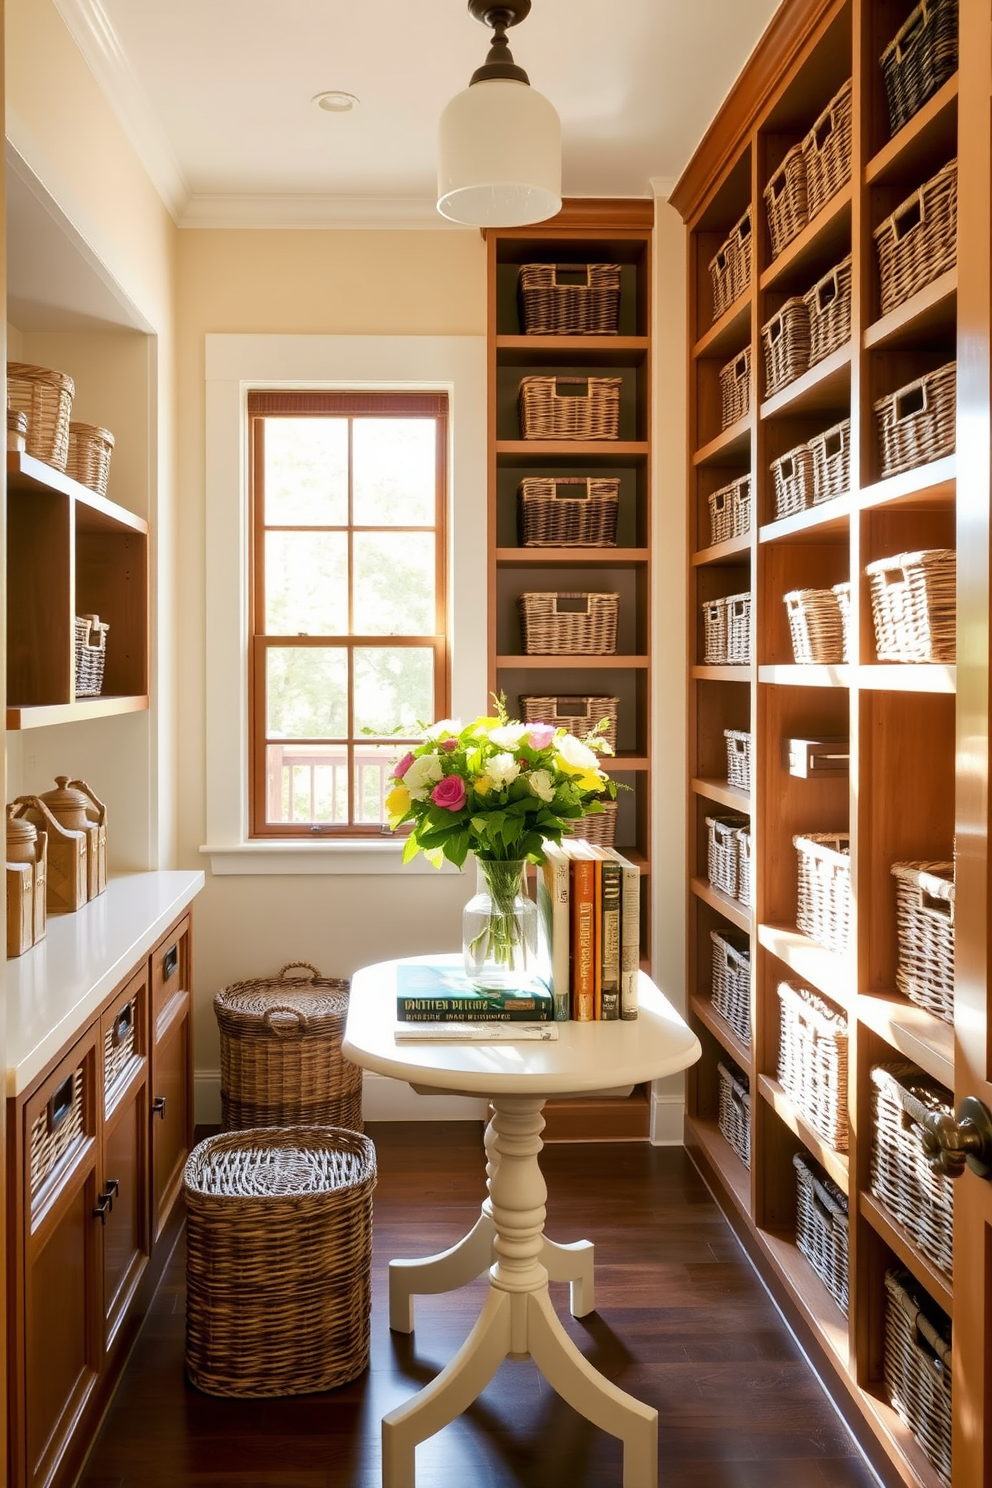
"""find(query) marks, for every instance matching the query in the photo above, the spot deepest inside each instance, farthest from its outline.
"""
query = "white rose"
(502, 770)
(541, 784)
(444, 728)
(422, 774)
(576, 754)
(508, 735)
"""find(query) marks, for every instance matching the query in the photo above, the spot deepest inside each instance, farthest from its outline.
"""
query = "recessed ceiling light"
(334, 102)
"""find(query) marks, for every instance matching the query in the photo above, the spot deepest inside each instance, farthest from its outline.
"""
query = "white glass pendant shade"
(499, 156)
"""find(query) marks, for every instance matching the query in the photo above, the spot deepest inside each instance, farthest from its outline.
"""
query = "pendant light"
(499, 141)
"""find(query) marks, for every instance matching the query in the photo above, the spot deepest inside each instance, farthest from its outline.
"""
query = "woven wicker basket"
(792, 481)
(88, 459)
(823, 909)
(822, 1226)
(278, 1258)
(918, 242)
(723, 852)
(579, 715)
(900, 1176)
(714, 632)
(917, 1366)
(738, 758)
(812, 1061)
(548, 412)
(568, 511)
(828, 305)
(785, 200)
(90, 655)
(913, 605)
(734, 1110)
(730, 510)
(730, 267)
(45, 396)
(925, 933)
(785, 340)
(738, 628)
(816, 627)
(732, 980)
(120, 1042)
(831, 453)
(920, 58)
(280, 1052)
(843, 593)
(57, 1129)
(570, 624)
(600, 827)
(735, 388)
(917, 423)
(745, 868)
(570, 299)
(827, 151)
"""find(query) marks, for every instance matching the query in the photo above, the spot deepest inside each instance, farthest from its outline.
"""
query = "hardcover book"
(444, 994)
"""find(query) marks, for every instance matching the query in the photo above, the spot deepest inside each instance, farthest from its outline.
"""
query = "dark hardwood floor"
(682, 1322)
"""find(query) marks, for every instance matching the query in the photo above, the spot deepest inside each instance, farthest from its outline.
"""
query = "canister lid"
(64, 799)
(20, 833)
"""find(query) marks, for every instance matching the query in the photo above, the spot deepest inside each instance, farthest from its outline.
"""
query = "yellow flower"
(590, 780)
(482, 785)
(397, 804)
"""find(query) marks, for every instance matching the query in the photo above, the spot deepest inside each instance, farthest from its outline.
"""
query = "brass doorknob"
(949, 1144)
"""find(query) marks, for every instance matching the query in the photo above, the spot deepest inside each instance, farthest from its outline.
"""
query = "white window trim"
(234, 366)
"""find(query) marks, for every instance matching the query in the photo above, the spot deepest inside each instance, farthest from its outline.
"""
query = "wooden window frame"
(263, 404)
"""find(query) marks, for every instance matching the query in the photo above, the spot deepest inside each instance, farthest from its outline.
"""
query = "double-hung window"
(347, 603)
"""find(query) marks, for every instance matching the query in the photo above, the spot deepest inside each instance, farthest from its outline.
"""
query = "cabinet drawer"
(170, 963)
(124, 1038)
(60, 1122)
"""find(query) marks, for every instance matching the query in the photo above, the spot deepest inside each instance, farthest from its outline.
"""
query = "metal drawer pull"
(158, 1106)
(123, 1024)
(105, 1201)
(170, 961)
(60, 1104)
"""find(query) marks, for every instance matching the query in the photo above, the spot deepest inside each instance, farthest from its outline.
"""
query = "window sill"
(352, 856)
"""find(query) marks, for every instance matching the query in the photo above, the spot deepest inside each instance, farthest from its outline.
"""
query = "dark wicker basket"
(570, 299)
(569, 624)
(918, 422)
(925, 933)
(278, 1259)
(548, 412)
(568, 511)
(792, 481)
(900, 1176)
(827, 151)
(786, 204)
(823, 907)
(730, 510)
(831, 453)
(579, 715)
(732, 980)
(812, 1061)
(920, 58)
(730, 267)
(919, 241)
(828, 305)
(822, 1226)
(735, 388)
(785, 339)
(280, 1052)
(816, 626)
(734, 1109)
(913, 605)
(917, 1366)
(91, 655)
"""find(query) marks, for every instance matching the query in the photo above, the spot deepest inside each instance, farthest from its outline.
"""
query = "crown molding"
(90, 28)
(302, 211)
(663, 186)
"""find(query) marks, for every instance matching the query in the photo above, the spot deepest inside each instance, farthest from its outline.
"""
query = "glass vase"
(499, 927)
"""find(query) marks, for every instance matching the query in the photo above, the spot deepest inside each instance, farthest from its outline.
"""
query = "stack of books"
(589, 922)
(436, 1002)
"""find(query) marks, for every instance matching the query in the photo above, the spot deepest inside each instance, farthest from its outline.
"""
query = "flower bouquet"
(498, 789)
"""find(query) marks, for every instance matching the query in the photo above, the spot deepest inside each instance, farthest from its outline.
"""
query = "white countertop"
(584, 1057)
(54, 989)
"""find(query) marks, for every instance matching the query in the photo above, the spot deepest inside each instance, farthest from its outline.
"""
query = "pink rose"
(403, 766)
(540, 736)
(449, 744)
(449, 793)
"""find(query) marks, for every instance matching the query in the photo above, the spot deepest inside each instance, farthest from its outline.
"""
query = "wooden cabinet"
(916, 733)
(172, 1096)
(71, 552)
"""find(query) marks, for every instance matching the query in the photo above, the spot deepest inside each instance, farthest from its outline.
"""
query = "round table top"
(584, 1057)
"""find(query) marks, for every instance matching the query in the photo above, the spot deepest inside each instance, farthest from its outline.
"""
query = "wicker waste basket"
(280, 1052)
(278, 1260)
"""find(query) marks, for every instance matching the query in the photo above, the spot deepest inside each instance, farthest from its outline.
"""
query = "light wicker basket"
(828, 306)
(570, 624)
(785, 340)
(120, 1043)
(827, 151)
(831, 453)
(715, 631)
(88, 459)
(90, 655)
(280, 1052)
(745, 868)
(917, 1366)
(925, 934)
(920, 58)
(735, 388)
(823, 908)
(738, 628)
(734, 1109)
(568, 511)
(579, 715)
(913, 605)
(548, 412)
(57, 1129)
(918, 241)
(730, 510)
(45, 397)
(278, 1260)
(569, 299)
(816, 627)
(917, 423)
(822, 1226)
(599, 827)
(812, 1061)
(732, 980)
(730, 267)
(738, 758)
(786, 204)
(900, 1176)
(723, 854)
(792, 481)
(843, 593)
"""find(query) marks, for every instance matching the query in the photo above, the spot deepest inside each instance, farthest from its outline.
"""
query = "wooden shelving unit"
(917, 787)
(583, 232)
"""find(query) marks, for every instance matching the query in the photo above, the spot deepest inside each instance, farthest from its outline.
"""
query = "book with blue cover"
(427, 993)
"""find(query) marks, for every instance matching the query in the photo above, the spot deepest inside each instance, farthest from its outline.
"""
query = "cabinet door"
(171, 1078)
(123, 1174)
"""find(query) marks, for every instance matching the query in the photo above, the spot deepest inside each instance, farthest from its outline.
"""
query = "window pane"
(307, 692)
(306, 783)
(306, 472)
(394, 583)
(306, 583)
(394, 689)
(373, 781)
(394, 472)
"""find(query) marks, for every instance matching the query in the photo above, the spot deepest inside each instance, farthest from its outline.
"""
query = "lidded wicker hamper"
(45, 397)
(278, 1260)
(568, 511)
(812, 1061)
(921, 1199)
(822, 1226)
(280, 1052)
(917, 1366)
(920, 58)
(590, 411)
(561, 622)
(730, 267)
(925, 934)
(569, 299)
(579, 715)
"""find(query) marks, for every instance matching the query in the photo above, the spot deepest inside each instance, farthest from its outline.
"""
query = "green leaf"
(411, 847)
